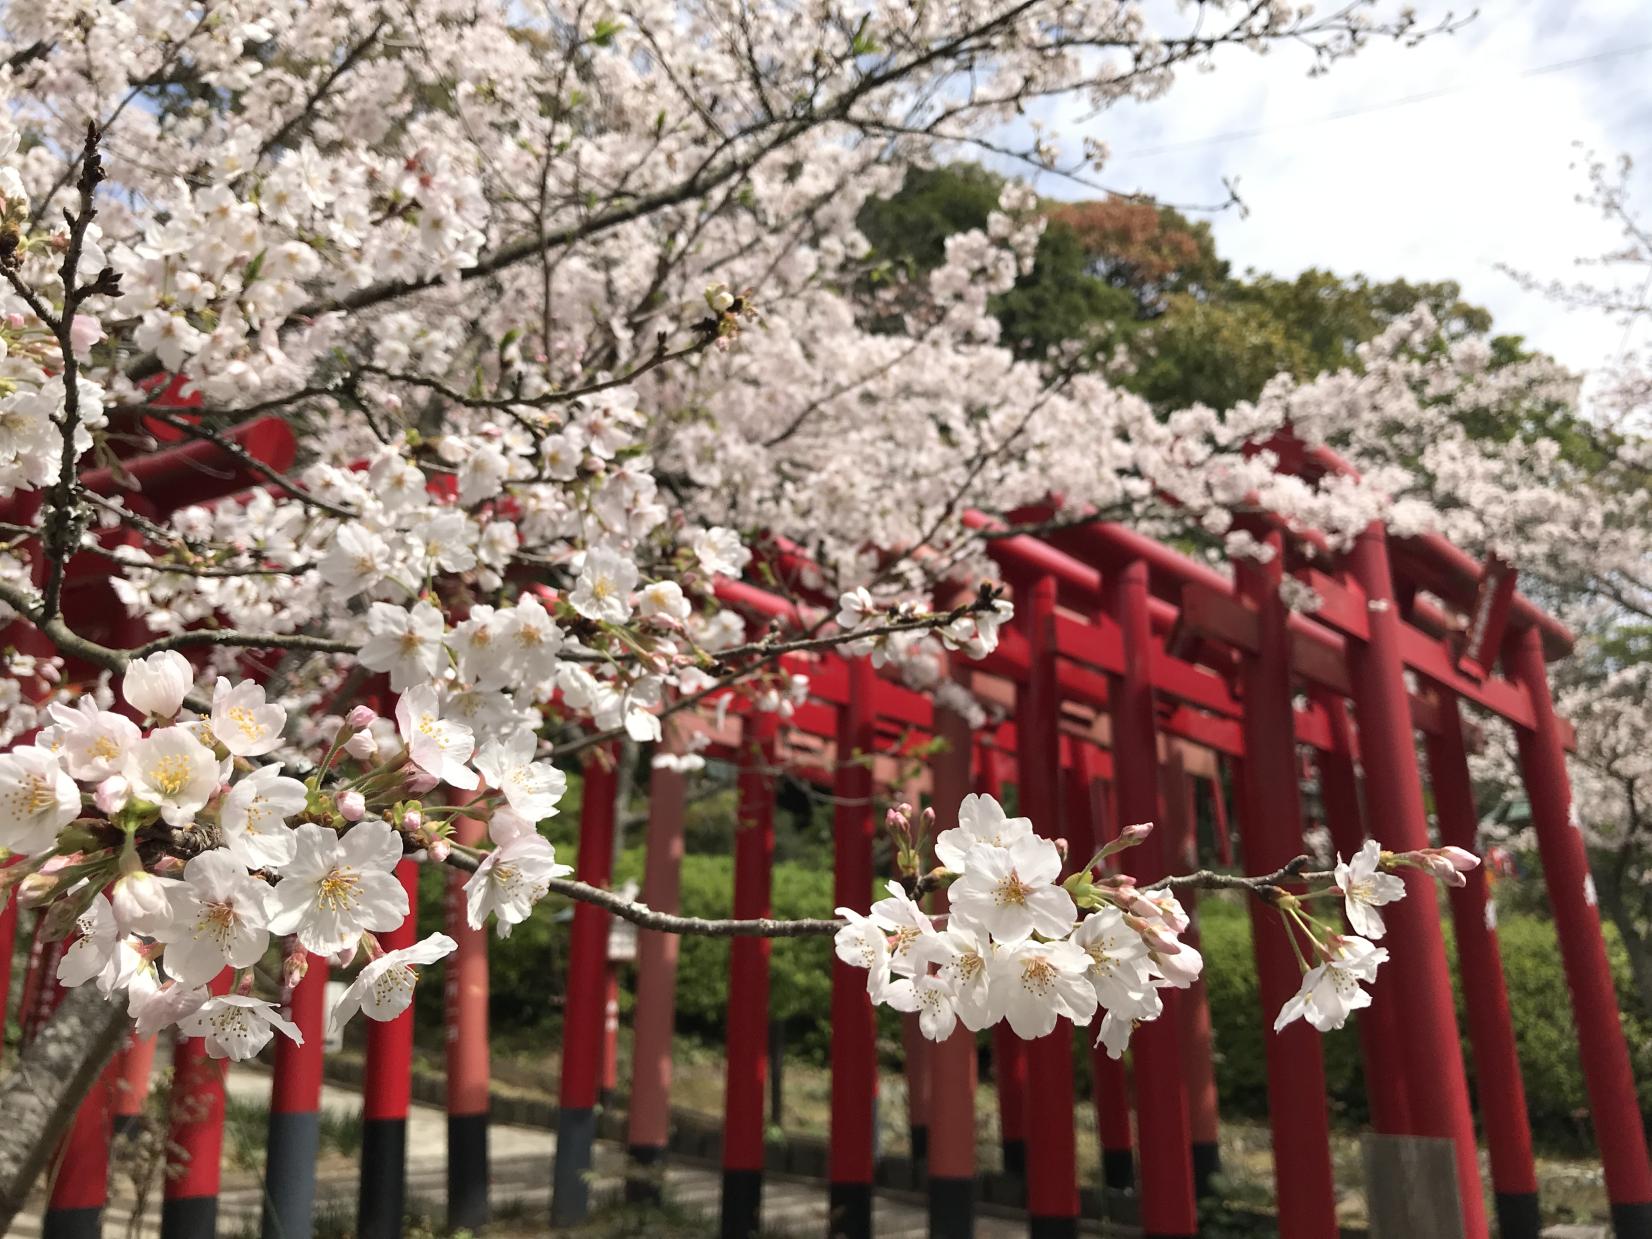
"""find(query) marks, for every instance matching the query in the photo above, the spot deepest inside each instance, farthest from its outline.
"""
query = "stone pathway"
(521, 1160)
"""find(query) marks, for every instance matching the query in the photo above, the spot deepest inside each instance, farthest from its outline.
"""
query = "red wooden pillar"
(195, 1137)
(576, 1120)
(1110, 1089)
(1605, 1056)
(1434, 1076)
(80, 1187)
(951, 1062)
(1009, 1052)
(748, 992)
(80, 1184)
(1501, 1092)
(1270, 824)
(131, 1087)
(854, 1031)
(1052, 1173)
(915, 1061)
(655, 1015)
(387, 1091)
(465, 996)
(1380, 1040)
(1167, 1207)
(1118, 1138)
(1198, 1041)
(294, 1140)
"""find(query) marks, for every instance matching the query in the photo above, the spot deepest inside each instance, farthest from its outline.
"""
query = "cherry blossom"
(220, 918)
(37, 799)
(158, 684)
(512, 877)
(383, 989)
(338, 887)
(236, 1026)
(1010, 891)
(1331, 990)
(1365, 888)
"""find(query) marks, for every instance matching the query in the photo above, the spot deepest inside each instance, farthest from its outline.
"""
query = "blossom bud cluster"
(1013, 947)
(1021, 945)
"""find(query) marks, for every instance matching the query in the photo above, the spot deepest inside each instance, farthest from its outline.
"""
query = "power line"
(1405, 101)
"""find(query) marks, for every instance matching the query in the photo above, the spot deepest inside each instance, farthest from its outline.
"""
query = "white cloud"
(1434, 162)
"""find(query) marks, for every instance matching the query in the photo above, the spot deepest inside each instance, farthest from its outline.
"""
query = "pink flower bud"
(362, 746)
(352, 805)
(36, 889)
(412, 821)
(112, 794)
(1461, 859)
(294, 967)
(139, 899)
(438, 850)
(1135, 833)
(360, 718)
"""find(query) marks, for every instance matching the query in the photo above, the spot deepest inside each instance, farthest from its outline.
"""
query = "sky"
(1439, 161)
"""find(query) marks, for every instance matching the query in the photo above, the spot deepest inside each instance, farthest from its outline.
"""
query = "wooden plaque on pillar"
(1411, 1187)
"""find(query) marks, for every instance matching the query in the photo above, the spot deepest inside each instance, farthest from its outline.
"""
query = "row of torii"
(1130, 668)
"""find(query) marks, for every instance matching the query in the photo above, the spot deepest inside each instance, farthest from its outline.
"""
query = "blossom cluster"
(1021, 945)
(175, 849)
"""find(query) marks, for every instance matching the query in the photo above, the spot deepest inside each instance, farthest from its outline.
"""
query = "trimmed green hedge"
(526, 1003)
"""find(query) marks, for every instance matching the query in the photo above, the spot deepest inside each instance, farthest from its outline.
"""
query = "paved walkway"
(521, 1160)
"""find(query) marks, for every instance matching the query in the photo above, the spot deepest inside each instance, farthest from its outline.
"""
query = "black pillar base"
(644, 1174)
(190, 1217)
(1518, 1216)
(1207, 1164)
(918, 1139)
(742, 1212)
(381, 1203)
(1632, 1221)
(951, 1208)
(1015, 1158)
(467, 1171)
(849, 1208)
(1118, 1170)
(576, 1133)
(1052, 1227)
(289, 1175)
(72, 1223)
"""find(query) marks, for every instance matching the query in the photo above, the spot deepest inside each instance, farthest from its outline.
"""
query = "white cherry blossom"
(532, 788)
(1035, 983)
(171, 769)
(37, 799)
(1365, 888)
(254, 816)
(1011, 891)
(237, 1027)
(512, 877)
(383, 989)
(242, 721)
(157, 685)
(220, 918)
(981, 819)
(438, 746)
(338, 887)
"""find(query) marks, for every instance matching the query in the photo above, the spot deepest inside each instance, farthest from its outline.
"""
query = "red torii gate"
(1126, 657)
